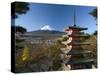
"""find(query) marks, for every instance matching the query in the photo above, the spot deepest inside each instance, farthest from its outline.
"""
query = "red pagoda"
(73, 55)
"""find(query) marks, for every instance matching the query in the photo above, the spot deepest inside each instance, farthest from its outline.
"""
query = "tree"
(18, 8)
(95, 32)
(94, 13)
(25, 54)
(20, 29)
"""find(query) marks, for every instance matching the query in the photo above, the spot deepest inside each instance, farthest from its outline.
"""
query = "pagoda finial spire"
(74, 18)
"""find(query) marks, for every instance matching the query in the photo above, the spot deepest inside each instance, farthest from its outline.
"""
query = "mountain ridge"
(46, 31)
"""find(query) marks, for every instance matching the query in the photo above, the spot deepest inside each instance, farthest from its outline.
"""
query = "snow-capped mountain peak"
(46, 27)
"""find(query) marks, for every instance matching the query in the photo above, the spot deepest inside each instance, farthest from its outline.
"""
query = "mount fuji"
(46, 30)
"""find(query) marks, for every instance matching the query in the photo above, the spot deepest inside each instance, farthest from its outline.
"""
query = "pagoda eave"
(76, 43)
(75, 35)
(75, 52)
(77, 28)
(80, 61)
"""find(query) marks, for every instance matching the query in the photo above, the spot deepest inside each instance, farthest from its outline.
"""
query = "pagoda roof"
(78, 35)
(77, 28)
(82, 61)
(75, 52)
(76, 43)
(80, 43)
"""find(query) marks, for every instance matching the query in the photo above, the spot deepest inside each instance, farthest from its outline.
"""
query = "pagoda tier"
(82, 61)
(77, 35)
(75, 43)
(75, 52)
(79, 52)
(77, 28)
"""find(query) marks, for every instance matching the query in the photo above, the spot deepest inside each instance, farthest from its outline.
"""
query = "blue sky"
(57, 16)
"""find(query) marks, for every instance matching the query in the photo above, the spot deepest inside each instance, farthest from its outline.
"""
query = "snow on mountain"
(46, 27)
